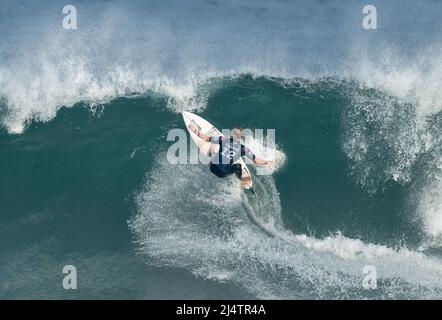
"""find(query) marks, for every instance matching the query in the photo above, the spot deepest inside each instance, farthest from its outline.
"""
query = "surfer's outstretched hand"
(265, 163)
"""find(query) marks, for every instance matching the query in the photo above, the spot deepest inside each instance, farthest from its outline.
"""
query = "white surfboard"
(207, 128)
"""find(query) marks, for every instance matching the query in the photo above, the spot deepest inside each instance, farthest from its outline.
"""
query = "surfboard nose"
(186, 115)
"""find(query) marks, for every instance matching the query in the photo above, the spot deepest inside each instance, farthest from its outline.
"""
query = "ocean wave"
(208, 234)
(383, 135)
(384, 88)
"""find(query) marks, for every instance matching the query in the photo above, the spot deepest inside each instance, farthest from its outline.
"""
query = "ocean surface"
(85, 180)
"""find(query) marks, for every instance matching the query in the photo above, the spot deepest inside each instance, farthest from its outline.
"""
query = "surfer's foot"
(245, 181)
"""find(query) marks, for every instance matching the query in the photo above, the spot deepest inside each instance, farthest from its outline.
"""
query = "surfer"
(222, 163)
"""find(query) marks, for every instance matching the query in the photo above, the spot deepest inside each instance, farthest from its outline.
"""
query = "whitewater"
(376, 94)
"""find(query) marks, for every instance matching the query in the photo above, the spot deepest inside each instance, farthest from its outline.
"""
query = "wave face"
(85, 114)
(330, 209)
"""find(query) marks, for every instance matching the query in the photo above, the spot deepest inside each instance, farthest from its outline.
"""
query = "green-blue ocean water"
(93, 188)
(85, 180)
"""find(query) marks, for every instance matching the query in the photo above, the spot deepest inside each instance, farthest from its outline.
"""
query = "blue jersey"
(230, 150)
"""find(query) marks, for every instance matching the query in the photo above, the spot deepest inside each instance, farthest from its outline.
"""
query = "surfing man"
(222, 163)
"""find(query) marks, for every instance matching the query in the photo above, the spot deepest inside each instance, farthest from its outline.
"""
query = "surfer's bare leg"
(245, 181)
(242, 175)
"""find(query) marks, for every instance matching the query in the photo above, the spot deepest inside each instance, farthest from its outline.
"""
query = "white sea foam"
(403, 130)
(431, 206)
(44, 68)
(209, 234)
(125, 47)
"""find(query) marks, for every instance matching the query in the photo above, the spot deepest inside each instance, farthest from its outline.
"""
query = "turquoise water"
(84, 178)
(94, 189)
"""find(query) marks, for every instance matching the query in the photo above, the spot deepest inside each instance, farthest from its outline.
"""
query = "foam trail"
(209, 234)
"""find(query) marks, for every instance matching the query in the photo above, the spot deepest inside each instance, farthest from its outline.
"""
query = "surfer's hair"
(237, 132)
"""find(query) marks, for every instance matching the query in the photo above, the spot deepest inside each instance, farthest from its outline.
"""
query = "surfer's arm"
(263, 162)
(249, 154)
